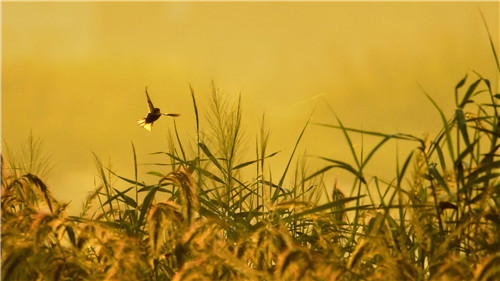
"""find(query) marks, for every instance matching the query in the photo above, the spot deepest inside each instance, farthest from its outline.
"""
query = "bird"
(153, 115)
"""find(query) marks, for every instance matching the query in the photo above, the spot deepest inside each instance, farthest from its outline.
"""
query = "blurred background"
(74, 75)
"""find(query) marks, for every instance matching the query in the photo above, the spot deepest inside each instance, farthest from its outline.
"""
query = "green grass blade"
(373, 133)
(179, 141)
(319, 172)
(252, 162)
(193, 164)
(157, 174)
(128, 180)
(405, 167)
(107, 186)
(440, 154)
(323, 207)
(493, 49)
(348, 139)
(135, 172)
(211, 156)
(462, 125)
(469, 93)
(195, 106)
(435, 175)
(126, 199)
(347, 167)
(293, 153)
(372, 152)
(458, 86)
(118, 195)
(146, 204)
(446, 126)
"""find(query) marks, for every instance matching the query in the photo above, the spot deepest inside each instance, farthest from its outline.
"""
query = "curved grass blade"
(435, 175)
(458, 86)
(372, 152)
(179, 141)
(469, 93)
(446, 127)
(146, 204)
(319, 172)
(345, 166)
(293, 153)
(442, 162)
(373, 133)
(120, 194)
(348, 139)
(493, 49)
(253, 161)
(126, 199)
(462, 126)
(210, 156)
(135, 173)
(326, 206)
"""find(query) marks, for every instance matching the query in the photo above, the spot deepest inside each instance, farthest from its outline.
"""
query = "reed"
(215, 213)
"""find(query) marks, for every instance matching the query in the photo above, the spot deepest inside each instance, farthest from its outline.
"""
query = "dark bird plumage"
(153, 115)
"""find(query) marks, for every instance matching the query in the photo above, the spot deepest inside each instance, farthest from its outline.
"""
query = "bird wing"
(150, 104)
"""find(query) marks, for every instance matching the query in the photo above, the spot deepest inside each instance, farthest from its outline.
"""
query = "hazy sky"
(74, 73)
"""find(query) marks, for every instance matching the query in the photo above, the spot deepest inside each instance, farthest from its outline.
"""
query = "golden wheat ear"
(171, 114)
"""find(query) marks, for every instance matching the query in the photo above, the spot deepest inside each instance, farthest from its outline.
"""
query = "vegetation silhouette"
(437, 218)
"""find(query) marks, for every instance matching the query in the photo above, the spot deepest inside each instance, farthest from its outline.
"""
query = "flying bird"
(153, 115)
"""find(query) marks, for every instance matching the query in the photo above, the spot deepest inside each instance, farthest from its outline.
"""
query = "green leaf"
(319, 172)
(253, 161)
(158, 174)
(127, 199)
(293, 152)
(210, 156)
(405, 166)
(71, 234)
(326, 206)
(446, 127)
(116, 196)
(210, 175)
(351, 146)
(372, 152)
(435, 174)
(128, 180)
(460, 117)
(486, 167)
(469, 93)
(195, 106)
(373, 133)
(493, 49)
(458, 86)
(146, 204)
(347, 167)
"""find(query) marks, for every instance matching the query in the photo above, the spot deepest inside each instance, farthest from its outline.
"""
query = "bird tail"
(147, 126)
(171, 114)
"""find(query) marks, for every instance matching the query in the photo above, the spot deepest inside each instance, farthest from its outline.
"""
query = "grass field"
(217, 216)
